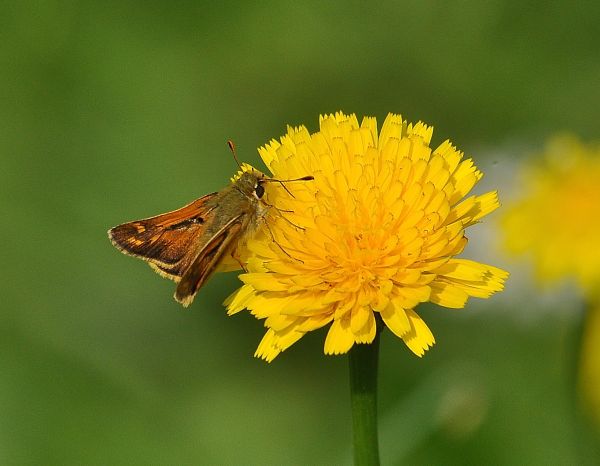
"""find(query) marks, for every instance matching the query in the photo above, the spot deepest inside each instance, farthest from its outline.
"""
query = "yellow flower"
(375, 233)
(557, 221)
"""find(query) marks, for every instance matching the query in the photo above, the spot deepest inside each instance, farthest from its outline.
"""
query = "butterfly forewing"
(169, 242)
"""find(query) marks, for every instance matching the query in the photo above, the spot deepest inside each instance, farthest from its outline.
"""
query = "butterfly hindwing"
(208, 259)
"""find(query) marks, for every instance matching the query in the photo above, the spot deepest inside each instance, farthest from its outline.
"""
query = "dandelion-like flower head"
(557, 219)
(375, 234)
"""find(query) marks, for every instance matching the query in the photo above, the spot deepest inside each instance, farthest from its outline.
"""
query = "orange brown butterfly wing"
(168, 241)
(208, 259)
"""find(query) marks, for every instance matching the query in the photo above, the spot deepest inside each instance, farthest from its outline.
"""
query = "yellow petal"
(367, 333)
(237, 301)
(473, 278)
(267, 349)
(340, 338)
(392, 128)
(448, 295)
(359, 317)
(370, 124)
(315, 322)
(419, 339)
(408, 297)
(463, 269)
(395, 319)
(266, 281)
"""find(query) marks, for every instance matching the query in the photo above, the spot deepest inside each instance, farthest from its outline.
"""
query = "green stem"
(363, 397)
(585, 427)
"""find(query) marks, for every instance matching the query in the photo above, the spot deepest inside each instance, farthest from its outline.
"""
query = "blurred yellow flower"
(376, 232)
(557, 223)
(557, 220)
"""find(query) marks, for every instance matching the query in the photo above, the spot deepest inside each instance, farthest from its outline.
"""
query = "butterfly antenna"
(304, 178)
(281, 182)
(232, 149)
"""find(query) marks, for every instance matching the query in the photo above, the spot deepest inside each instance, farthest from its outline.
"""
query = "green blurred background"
(111, 111)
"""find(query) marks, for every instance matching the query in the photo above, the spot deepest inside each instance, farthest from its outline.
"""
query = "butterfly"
(188, 244)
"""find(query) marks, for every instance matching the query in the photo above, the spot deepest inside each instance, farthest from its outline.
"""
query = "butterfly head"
(250, 182)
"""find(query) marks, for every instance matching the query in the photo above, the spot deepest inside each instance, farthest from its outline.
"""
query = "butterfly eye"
(259, 191)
